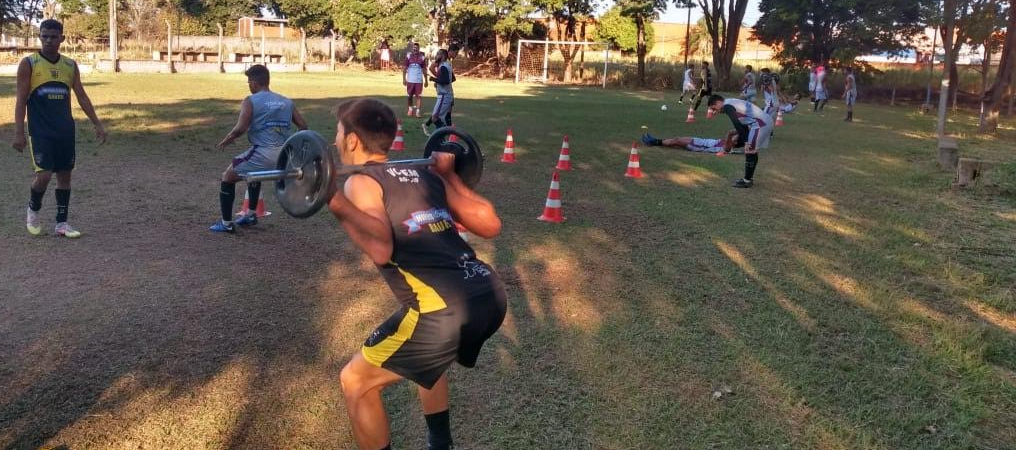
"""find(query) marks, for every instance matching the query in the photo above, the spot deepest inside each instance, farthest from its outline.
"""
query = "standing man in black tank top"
(451, 302)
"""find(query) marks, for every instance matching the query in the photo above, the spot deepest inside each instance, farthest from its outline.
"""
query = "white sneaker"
(32, 223)
(64, 229)
(423, 127)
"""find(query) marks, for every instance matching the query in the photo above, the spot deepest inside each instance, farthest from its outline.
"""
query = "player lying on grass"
(788, 105)
(450, 301)
(694, 144)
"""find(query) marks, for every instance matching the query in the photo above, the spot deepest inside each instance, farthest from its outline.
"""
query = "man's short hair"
(748, 67)
(51, 24)
(704, 63)
(371, 120)
(713, 99)
(258, 74)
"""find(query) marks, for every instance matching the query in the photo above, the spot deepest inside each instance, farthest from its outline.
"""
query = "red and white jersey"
(748, 113)
(415, 62)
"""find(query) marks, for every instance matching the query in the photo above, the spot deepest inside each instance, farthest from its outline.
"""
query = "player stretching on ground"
(413, 79)
(44, 85)
(754, 128)
(443, 77)
(451, 302)
(788, 105)
(265, 116)
(694, 144)
(707, 85)
(850, 93)
(689, 84)
(748, 85)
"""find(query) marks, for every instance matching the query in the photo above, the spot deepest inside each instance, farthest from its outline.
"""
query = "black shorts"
(52, 154)
(421, 346)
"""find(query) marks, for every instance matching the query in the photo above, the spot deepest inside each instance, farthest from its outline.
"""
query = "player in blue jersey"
(45, 82)
(265, 116)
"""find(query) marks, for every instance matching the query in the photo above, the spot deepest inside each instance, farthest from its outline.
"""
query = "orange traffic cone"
(634, 170)
(709, 113)
(779, 117)
(564, 161)
(509, 148)
(552, 209)
(463, 232)
(452, 137)
(691, 116)
(399, 143)
(259, 209)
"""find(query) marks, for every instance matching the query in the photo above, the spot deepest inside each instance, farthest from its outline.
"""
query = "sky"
(676, 15)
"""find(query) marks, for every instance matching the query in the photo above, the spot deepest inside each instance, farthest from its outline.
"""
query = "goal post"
(568, 62)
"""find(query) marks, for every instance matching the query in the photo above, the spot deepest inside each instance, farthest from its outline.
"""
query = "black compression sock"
(254, 194)
(750, 161)
(227, 195)
(35, 200)
(63, 201)
(439, 433)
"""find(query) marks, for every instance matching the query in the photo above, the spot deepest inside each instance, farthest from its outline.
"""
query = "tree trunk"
(992, 98)
(949, 12)
(640, 48)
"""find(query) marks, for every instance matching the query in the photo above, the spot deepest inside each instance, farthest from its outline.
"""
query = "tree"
(314, 16)
(974, 24)
(640, 11)
(699, 40)
(991, 100)
(949, 18)
(807, 31)
(620, 31)
(569, 22)
(723, 22)
(366, 23)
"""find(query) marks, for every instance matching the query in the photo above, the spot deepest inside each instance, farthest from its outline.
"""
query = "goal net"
(563, 62)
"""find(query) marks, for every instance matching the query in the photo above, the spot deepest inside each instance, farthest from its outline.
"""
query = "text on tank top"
(49, 100)
(270, 123)
(427, 250)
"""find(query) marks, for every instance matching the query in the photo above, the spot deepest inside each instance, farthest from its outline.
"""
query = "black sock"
(439, 123)
(822, 106)
(815, 104)
(430, 120)
(227, 195)
(448, 119)
(439, 432)
(63, 200)
(750, 161)
(35, 200)
(656, 142)
(254, 194)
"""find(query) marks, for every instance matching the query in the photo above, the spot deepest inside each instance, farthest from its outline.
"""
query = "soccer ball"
(664, 107)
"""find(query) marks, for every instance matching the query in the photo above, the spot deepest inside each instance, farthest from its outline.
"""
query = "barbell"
(306, 167)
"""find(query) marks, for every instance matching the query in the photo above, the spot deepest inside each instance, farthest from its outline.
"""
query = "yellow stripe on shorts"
(428, 298)
(383, 350)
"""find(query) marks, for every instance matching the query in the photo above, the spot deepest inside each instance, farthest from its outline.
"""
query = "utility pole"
(949, 13)
(112, 35)
(687, 36)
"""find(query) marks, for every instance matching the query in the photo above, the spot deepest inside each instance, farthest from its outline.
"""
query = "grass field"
(852, 299)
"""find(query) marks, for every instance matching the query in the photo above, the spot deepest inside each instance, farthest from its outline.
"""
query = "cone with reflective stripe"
(564, 161)
(552, 209)
(691, 116)
(779, 117)
(259, 209)
(399, 143)
(634, 170)
(509, 148)
(709, 113)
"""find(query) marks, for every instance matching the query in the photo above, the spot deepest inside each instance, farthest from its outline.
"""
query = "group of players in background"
(753, 125)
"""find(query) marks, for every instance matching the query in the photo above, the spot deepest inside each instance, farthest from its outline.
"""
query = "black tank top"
(430, 265)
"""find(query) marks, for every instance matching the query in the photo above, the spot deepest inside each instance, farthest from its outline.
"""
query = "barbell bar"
(305, 169)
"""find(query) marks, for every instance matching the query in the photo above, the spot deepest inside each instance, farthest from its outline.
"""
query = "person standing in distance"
(43, 94)
(403, 219)
(265, 116)
(443, 77)
(689, 83)
(413, 79)
(850, 93)
(748, 85)
(706, 88)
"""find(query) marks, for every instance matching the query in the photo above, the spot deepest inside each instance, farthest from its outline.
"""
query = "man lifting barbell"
(400, 214)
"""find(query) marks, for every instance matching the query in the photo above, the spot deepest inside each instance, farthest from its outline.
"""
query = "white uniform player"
(689, 83)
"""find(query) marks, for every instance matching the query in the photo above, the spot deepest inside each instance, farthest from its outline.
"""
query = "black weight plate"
(468, 156)
(303, 197)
